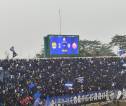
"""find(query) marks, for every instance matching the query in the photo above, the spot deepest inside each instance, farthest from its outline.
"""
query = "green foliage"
(40, 55)
(119, 40)
(94, 48)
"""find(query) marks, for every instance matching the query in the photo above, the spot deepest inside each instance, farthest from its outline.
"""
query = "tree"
(106, 50)
(94, 48)
(40, 55)
(119, 40)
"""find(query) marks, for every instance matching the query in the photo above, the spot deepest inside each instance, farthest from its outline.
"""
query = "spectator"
(48, 77)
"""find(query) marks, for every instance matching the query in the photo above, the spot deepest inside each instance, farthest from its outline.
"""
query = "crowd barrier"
(86, 98)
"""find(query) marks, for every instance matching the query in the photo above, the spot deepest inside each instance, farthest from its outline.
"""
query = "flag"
(25, 101)
(37, 101)
(47, 101)
(80, 79)
(1, 75)
(31, 85)
(123, 55)
(121, 51)
(69, 85)
(13, 51)
(37, 95)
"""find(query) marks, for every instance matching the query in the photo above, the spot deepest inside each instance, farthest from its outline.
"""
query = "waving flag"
(80, 79)
(123, 55)
(1, 74)
(69, 85)
(31, 85)
(37, 95)
(13, 51)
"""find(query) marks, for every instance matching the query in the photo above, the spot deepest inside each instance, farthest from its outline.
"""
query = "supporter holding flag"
(69, 85)
(1, 74)
(80, 79)
(26, 101)
(13, 51)
(31, 85)
(38, 102)
(47, 103)
(37, 98)
(123, 55)
(37, 95)
(121, 51)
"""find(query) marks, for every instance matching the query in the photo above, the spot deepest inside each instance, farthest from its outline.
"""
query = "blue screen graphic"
(64, 45)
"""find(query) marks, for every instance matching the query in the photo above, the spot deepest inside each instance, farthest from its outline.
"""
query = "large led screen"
(64, 45)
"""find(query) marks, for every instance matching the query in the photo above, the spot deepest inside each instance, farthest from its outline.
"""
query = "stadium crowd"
(32, 80)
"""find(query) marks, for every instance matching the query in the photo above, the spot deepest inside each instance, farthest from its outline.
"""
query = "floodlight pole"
(60, 22)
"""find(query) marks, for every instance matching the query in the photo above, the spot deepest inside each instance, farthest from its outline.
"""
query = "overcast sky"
(24, 23)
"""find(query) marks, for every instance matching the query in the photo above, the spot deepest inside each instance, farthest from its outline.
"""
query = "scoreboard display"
(61, 45)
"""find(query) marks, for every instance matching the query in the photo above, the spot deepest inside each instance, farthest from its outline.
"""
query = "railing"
(84, 98)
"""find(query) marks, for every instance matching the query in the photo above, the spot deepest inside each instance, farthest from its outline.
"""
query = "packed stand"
(26, 81)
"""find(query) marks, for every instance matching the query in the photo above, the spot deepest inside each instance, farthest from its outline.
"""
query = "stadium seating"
(38, 78)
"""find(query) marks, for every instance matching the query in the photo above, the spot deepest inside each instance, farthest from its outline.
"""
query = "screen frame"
(62, 55)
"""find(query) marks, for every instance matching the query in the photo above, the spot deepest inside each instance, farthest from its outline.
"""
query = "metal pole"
(60, 22)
